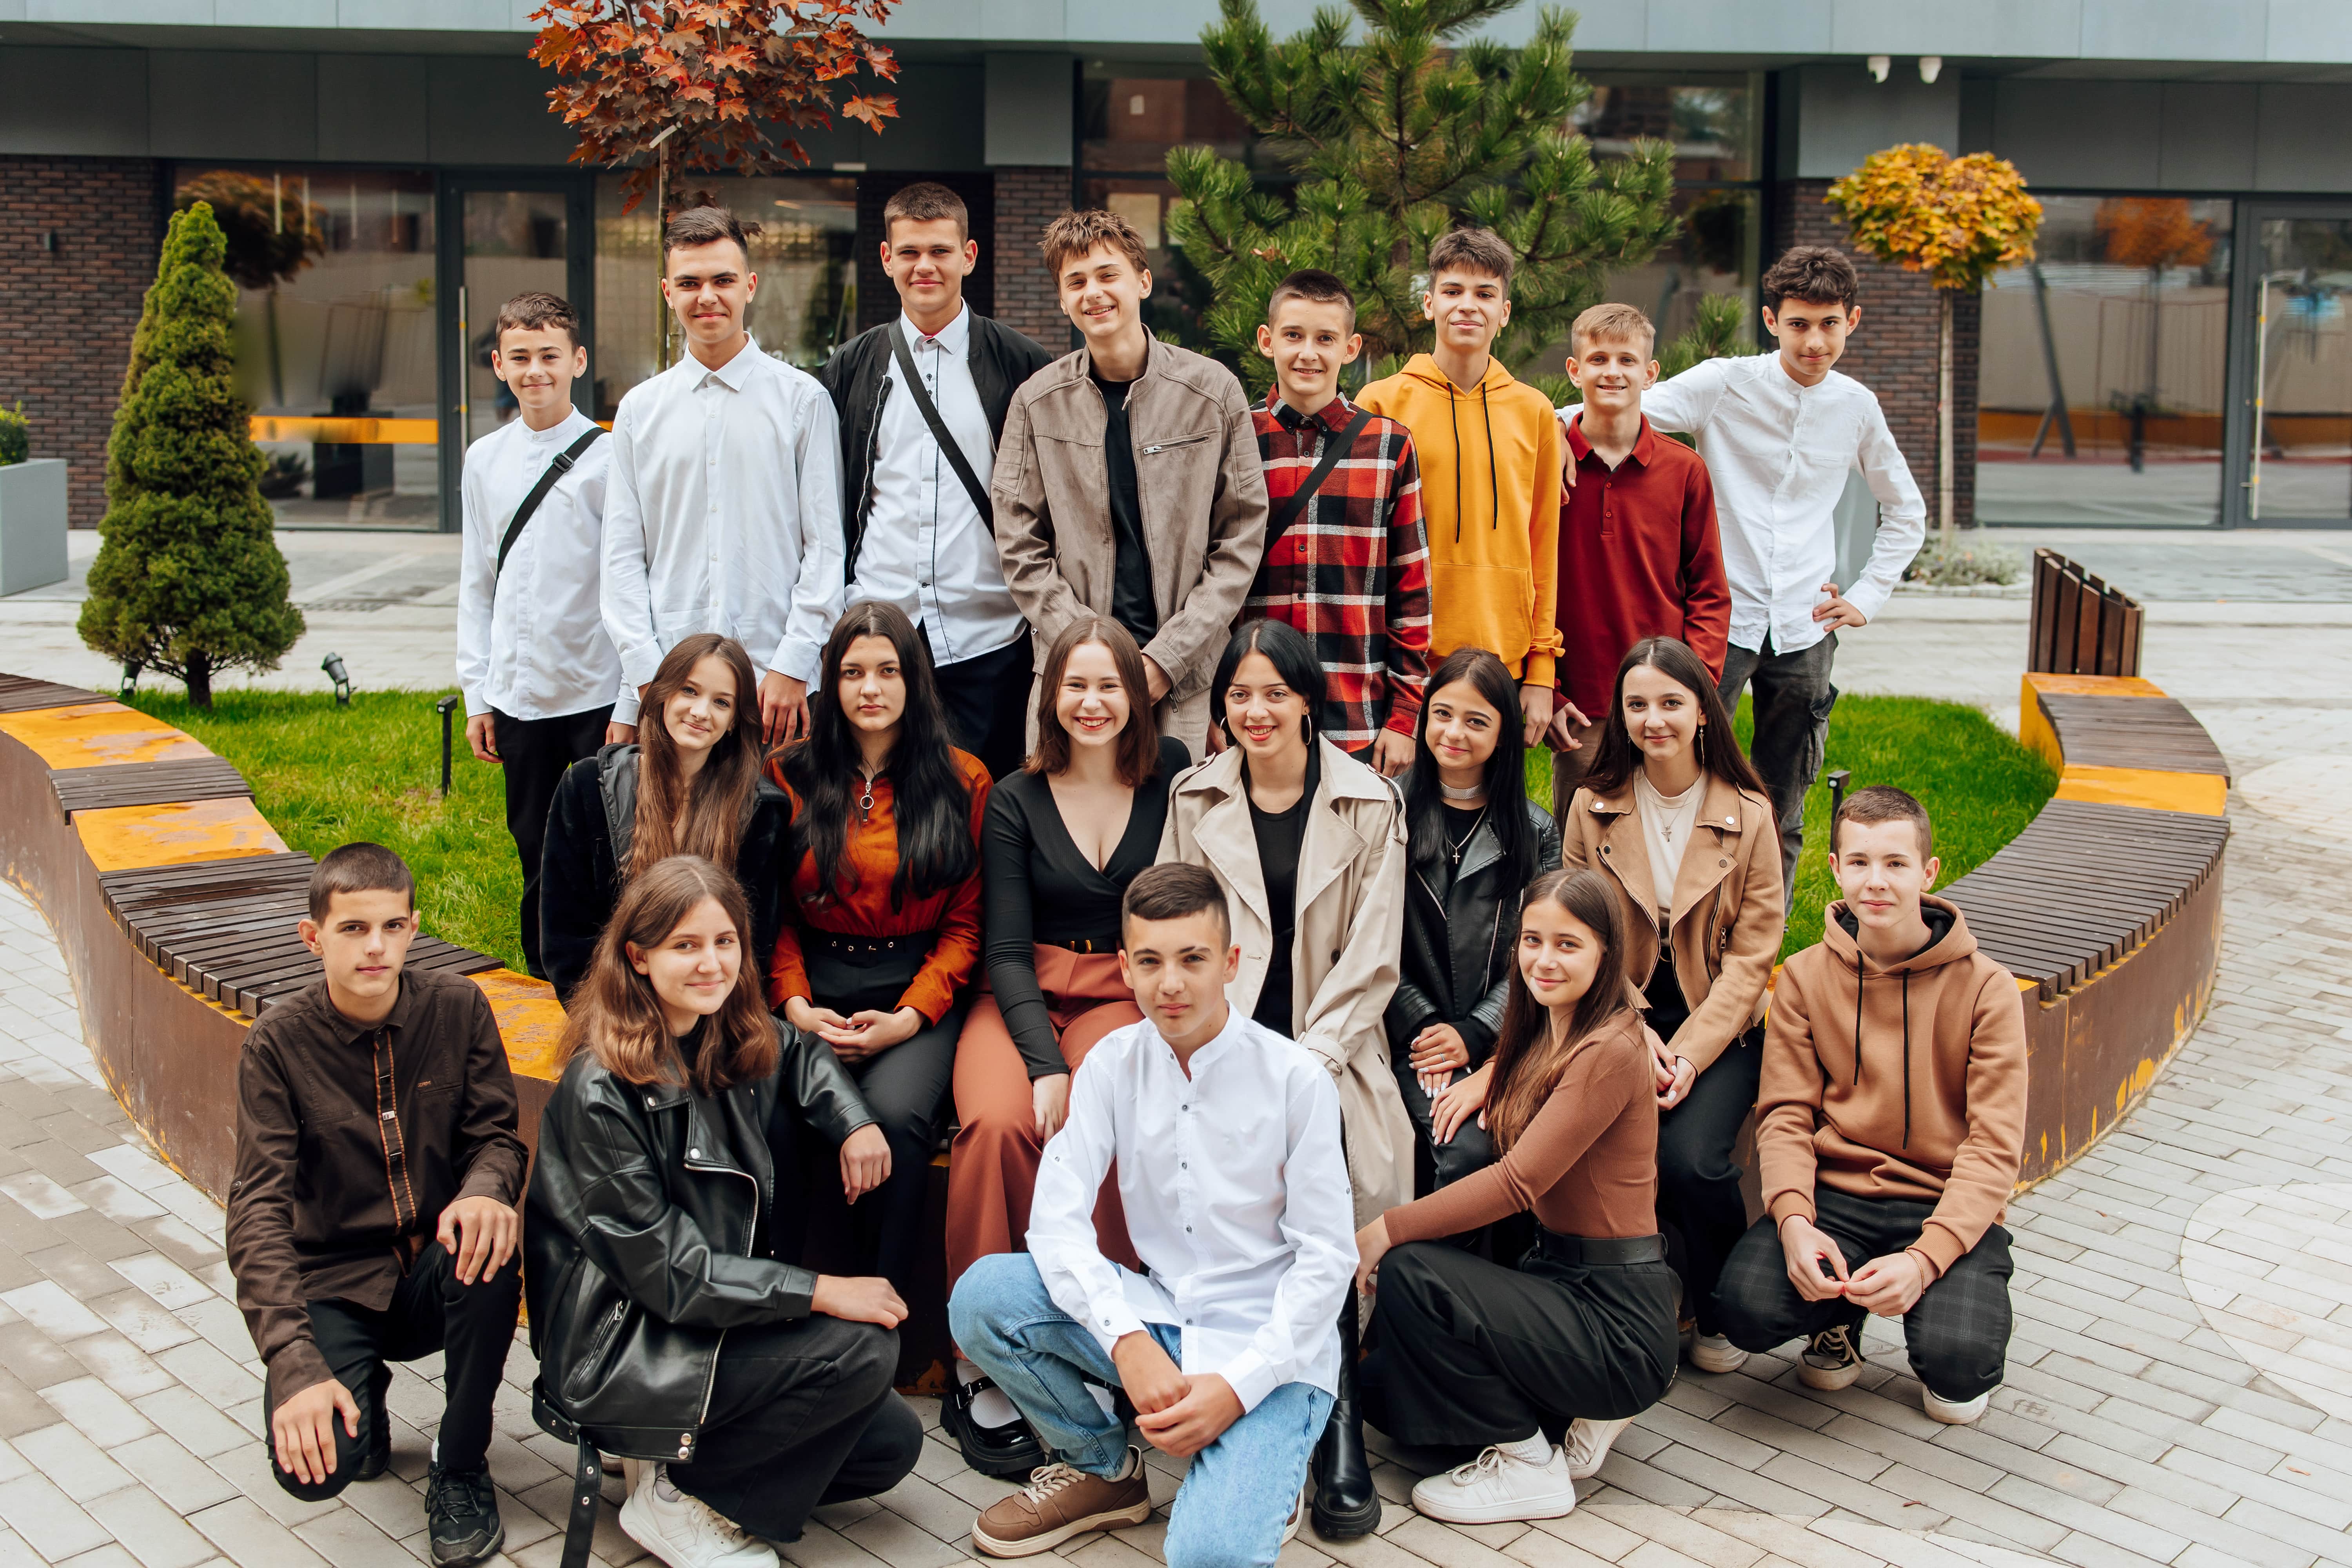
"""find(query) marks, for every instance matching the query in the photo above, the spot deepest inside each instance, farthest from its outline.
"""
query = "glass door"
(2299, 446)
(503, 237)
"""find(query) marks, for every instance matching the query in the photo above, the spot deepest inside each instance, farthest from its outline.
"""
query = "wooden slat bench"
(146, 784)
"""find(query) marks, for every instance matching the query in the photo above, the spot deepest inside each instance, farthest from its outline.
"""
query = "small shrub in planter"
(1958, 565)
(16, 436)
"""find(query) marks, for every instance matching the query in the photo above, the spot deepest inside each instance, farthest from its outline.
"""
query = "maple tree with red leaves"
(722, 76)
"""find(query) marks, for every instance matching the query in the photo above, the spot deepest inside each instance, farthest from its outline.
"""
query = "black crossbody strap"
(1338, 446)
(930, 411)
(555, 470)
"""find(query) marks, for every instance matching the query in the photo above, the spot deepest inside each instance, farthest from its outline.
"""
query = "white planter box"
(32, 525)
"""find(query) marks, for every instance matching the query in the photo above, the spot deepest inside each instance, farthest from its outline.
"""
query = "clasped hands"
(1177, 1413)
(1887, 1287)
(860, 1035)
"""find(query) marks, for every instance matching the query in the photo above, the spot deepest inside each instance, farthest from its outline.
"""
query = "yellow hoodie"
(1490, 491)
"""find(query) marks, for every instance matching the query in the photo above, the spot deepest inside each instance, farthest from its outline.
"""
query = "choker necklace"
(1472, 791)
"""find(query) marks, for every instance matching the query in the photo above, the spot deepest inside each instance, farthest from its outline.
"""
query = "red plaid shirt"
(1352, 569)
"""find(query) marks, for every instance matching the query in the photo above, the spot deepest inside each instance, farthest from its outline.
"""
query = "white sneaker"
(686, 1532)
(1713, 1353)
(1297, 1512)
(1953, 1412)
(1497, 1488)
(1587, 1444)
(1831, 1360)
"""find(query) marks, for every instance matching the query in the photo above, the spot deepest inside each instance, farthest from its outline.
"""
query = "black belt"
(1574, 1249)
(1083, 943)
(868, 946)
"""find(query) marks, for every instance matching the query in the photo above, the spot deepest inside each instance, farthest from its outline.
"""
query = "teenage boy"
(921, 528)
(1637, 537)
(1347, 560)
(724, 511)
(1888, 1130)
(1225, 1138)
(1127, 481)
(372, 1215)
(1780, 432)
(541, 682)
(1488, 448)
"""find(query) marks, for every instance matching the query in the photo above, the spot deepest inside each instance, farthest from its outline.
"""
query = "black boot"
(1346, 1505)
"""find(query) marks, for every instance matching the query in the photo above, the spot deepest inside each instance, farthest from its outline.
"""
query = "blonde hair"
(1613, 320)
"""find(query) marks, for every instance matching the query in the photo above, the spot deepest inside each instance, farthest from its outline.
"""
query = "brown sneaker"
(1059, 1502)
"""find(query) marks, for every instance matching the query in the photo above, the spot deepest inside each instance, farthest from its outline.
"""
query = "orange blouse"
(865, 909)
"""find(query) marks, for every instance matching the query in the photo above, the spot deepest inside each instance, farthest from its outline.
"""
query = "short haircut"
(1624, 323)
(1293, 657)
(707, 225)
(1074, 234)
(1170, 891)
(361, 868)
(1817, 274)
(539, 313)
(1139, 744)
(1471, 250)
(926, 201)
(1885, 802)
(1315, 286)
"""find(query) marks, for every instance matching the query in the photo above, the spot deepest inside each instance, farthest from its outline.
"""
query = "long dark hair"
(1506, 769)
(705, 818)
(1293, 657)
(615, 1015)
(1719, 750)
(932, 802)
(1529, 1057)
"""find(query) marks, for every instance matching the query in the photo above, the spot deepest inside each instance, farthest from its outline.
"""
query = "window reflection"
(1712, 121)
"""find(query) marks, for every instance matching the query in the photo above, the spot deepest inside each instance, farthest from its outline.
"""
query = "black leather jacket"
(1459, 936)
(588, 830)
(648, 1233)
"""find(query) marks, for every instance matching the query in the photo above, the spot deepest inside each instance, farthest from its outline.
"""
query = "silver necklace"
(1456, 849)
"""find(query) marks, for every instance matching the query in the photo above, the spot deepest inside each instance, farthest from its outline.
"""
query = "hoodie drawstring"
(1455, 419)
(1858, 978)
(1494, 482)
(1907, 1058)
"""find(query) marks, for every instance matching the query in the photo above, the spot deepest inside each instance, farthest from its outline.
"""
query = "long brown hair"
(713, 809)
(1529, 1057)
(1614, 764)
(615, 1016)
(1139, 744)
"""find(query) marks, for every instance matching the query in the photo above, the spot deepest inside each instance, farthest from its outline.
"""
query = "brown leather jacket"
(1199, 481)
(1728, 911)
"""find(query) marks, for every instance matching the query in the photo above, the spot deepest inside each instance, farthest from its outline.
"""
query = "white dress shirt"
(1779, 453)
(1237, 1201)
(724, 514)
(530, 639)
(927, 549)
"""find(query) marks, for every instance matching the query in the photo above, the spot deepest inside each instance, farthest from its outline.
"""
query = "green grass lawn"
(1979, 785)
(325, 776)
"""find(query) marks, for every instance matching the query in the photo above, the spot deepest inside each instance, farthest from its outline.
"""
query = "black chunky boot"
(1346, 1505)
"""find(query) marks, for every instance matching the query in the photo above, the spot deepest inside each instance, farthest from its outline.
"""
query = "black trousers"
(1957, 1332)
(1793, 699)
(1436, 1164)
(802, 1415)
(987, 702)
(533, 753)
(905, 1087)
(472, 1325)
(1471, 1351)
(1698, 1181)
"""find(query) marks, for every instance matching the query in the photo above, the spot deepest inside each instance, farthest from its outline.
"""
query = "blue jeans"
(1239, 1491)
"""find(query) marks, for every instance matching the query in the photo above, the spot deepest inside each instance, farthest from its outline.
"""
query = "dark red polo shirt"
(1639, 557)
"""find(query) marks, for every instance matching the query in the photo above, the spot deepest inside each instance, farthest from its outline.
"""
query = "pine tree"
(1399, 138)
(188, 580)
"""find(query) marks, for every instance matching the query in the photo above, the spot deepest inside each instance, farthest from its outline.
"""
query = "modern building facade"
(2177, 353)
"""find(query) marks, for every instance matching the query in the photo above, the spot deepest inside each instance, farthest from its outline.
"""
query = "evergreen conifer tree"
(188, 580)
(1398, 138)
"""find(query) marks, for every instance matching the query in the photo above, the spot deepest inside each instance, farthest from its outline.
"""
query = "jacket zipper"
(1169, 446)
(711, 1381)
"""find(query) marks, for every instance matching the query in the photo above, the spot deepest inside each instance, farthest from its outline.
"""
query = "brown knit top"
(1587, 1164)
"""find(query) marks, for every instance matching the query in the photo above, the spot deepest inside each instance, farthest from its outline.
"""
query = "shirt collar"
(955, 337)
(554, 433)
(1209, 1052)
(1334, 416)
(1646, 445)
(736, 371)
(402, 1019)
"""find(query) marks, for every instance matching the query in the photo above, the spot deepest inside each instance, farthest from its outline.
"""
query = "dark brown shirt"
(351, 1139)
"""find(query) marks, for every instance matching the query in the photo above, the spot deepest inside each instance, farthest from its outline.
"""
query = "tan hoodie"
(1902, 1082)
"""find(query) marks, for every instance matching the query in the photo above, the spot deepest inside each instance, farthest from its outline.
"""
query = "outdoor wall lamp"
(333, 665)
(1930, 66)
(1879, 66)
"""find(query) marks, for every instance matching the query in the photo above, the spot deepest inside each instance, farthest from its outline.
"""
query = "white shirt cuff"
(624, 706)
(1252, 1377)
(1112, 1321)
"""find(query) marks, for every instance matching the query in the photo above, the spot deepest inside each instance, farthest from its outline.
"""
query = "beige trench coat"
(1349, 926)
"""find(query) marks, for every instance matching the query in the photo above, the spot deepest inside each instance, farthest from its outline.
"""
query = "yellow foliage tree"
(1956, 219)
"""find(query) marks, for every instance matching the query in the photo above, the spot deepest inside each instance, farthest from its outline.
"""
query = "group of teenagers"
(1069, 752)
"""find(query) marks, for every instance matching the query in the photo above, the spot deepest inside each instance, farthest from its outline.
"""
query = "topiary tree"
(1398, 138)
(188, 580)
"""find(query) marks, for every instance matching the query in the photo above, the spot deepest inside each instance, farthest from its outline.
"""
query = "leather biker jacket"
(1460, 933)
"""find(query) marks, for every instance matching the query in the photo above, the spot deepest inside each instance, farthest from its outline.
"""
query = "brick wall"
(65, 325)
(1026, 201)
(877, 299)
(1894, 351)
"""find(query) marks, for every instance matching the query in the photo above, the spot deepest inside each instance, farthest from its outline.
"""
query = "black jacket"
(1001, 359)
(588, 830)
(648, 1232)
(1460, 937)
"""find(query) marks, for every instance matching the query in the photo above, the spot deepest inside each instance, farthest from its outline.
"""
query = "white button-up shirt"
(724, 514)
(530, 639)
(927, 549)
(1779, 453)
(1237, 1201)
